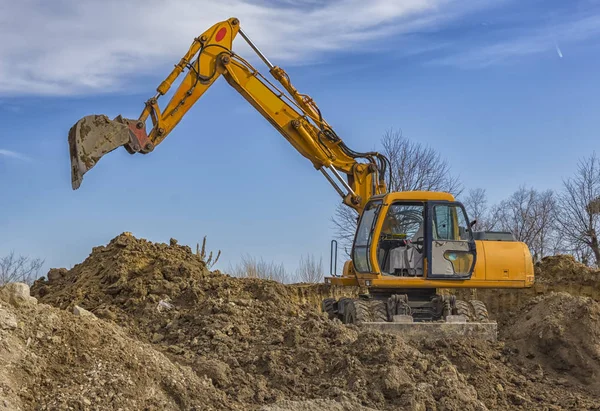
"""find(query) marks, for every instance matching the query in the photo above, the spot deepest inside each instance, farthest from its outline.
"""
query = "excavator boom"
(355, 176)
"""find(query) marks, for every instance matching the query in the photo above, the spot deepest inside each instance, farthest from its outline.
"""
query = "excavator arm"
(294, 115)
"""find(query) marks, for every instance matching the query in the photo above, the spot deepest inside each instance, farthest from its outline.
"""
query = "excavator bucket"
(95, 135)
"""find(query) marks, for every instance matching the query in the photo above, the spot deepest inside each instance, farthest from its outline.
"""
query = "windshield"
(364, 233)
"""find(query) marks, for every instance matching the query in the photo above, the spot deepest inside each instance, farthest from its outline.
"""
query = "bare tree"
(416, 167)
(579, 217)
(250, 267)
(344, 221)
(529, 215)
(20, 268)
(413, 167)
(583, 254)
(477, 208)
(310, 270)
(544, 242)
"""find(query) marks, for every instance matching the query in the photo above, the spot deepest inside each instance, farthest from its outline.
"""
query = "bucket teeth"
(89, 139)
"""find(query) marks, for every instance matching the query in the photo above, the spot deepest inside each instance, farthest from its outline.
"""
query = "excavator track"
(460, 319)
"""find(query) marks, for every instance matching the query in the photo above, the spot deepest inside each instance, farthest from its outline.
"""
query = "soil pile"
(52, 359)
(560, 273)
(560, 331)
(259, 342)
(565, 270)
(242, 344)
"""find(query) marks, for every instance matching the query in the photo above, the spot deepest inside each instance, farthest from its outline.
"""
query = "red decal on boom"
(221, 33)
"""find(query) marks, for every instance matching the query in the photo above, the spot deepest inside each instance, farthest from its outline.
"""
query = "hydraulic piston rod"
(256, 49)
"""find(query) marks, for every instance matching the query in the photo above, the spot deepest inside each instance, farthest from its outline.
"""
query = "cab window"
(363, 239)
(450, 223)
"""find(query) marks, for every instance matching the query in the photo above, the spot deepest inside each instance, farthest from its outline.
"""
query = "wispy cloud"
(82, 46)
(67, 47)
(559, 51)
(14, 154)
(534, 40)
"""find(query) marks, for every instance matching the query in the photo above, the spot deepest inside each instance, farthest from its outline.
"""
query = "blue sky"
(506, 90)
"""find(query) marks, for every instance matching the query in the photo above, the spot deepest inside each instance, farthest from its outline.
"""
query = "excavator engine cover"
(95, 135)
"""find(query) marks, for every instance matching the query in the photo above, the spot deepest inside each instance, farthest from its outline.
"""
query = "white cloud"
(82, 46)
(534, 40)
(67, 47)
(14, 154)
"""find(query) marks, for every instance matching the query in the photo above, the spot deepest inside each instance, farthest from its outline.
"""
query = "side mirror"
(472, 223)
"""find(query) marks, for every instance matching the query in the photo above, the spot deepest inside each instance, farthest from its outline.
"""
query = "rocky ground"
(141, 325)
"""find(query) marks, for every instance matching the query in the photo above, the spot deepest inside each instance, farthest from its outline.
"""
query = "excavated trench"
(156, 329)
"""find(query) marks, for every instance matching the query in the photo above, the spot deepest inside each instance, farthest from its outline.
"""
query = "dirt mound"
(504, 382)
(52, 359)
(136, 283)
(311, 405)
(261, 344)
(560, 331)
(560, 273)
(564, 269)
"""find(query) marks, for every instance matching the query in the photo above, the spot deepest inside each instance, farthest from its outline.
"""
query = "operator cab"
(406, 234)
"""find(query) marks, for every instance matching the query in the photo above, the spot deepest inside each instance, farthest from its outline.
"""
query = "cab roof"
(416, 196)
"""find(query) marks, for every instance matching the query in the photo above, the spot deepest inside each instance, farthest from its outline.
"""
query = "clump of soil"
(52, 359)
(503, 382)
(255, 344)
(564, 269)
(137, 283)
(560, 273)
(560, 331)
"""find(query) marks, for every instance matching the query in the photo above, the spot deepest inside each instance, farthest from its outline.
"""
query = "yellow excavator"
(408, 245)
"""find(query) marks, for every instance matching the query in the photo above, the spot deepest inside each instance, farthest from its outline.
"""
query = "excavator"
(411, 249)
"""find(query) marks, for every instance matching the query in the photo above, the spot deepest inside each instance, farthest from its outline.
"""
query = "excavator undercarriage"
(423, 315)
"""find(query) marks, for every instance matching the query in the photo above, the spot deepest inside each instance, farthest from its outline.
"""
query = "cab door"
(451, 251)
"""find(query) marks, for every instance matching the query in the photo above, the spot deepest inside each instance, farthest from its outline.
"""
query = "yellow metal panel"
(263, 94)
(418, 196)
(479, 270)
(505, 260)
(392, 282)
